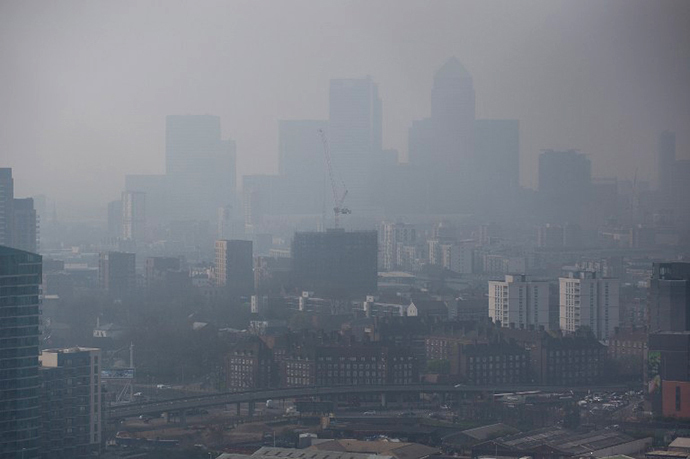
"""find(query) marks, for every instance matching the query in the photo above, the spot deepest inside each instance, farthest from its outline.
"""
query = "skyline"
(254, 66)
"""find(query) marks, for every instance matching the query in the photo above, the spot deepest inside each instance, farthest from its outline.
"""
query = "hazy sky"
(85, 85)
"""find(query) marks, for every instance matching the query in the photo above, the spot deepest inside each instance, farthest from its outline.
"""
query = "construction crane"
(338, 198)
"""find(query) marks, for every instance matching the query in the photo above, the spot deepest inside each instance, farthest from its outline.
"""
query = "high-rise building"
(20, 277)
(565, 181)
(116, 273)
(134, 215)
(354, 135)
(302, 165)
(235, 267)
(6, 200)
(115, 218)
(200, 166)
(71, 412)
(669, 297)
(589, 300)
(520, 302)
(24, 225)
(666, 157)
(336, 262)
(668, 373)
(497, 159)
(394, 237)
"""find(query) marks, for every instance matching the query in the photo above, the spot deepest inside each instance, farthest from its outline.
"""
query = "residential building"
(669, 297)
(336, 262)
(250, 365)
(519, 301)
(628, 349)
(116, 273)
(20, 419)
(428, 308)
(588, 300)
(235, 267)
(72, 414)
(491, 364)
(395, 237)
(575, 360)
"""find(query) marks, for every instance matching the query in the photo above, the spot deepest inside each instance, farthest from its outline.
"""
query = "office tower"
(666, 157)
(20, 277)
(497, 155)
(157, 268)
(589, 300)
(116, 273)
(354, 135)
(200, 167)
(336, 262)
(71, 414)
(565, 180)
(6, 199)
(302, 166)
(394, 238)
(234, 267)
(550, 236)
(519, 301)
(134, 215)
(24, 225)
(669, 297)
(115, 218)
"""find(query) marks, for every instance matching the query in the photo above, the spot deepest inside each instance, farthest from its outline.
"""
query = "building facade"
(669, 297)
(20, 418)
(134, 215)
(588, 300)
(72, 412)
(520, 302)
(235, 267)
(116, 273)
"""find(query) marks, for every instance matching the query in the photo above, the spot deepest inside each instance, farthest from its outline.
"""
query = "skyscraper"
(519, 301)
(355, 136)
(235, 267)
(666, 157)
(497, 159)
(6, 199)
(669, 297)
(565, 180)
(302, 165)
(588, 300)
(200, 167)
(20, 277)
(24, 225)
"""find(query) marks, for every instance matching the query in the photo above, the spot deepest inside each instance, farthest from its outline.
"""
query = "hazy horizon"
(87, 85)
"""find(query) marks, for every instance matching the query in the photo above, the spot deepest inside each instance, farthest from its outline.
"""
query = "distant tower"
(669, 297)
(355, 136)
(24, 225)
(134, 215)
(116, 273)
(666, 157)
(565, 183)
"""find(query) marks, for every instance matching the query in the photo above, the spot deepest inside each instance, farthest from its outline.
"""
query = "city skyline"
(609, 104)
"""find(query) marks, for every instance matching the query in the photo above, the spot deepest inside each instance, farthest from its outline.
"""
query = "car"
(445, 407)
(145, 418)
(163, 386)
(369, 413)
(406, 414)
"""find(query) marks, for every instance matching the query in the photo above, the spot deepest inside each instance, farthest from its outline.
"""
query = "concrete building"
(20, 277)
(72, 414)
(235, 267)
(588, 300)
(134, 215)
(116, 273)
(336, 262)
(669, 297)
(668, 373)
(519, 301)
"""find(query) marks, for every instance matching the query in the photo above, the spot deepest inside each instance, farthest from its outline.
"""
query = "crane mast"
(338, 198)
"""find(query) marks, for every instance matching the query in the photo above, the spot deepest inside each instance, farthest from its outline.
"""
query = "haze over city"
(87, 85)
